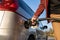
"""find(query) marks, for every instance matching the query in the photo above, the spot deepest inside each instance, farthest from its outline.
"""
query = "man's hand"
(33, 20)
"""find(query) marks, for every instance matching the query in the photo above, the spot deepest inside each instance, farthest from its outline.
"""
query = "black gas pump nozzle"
(28, 23)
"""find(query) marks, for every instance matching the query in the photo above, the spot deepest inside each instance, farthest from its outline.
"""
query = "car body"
(12, 23)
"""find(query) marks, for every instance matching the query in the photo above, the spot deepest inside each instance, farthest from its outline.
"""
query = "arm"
(40, 9)
(38, 12)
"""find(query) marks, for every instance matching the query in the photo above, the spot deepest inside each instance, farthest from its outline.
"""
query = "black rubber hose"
(54, 19)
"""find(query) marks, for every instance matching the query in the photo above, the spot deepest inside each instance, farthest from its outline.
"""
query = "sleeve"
(40, 9)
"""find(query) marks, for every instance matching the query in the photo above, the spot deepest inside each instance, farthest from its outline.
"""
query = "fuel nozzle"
(28, 23)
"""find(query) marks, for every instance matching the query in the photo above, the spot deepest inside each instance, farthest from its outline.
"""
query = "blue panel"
(25, 7)
(23, 12)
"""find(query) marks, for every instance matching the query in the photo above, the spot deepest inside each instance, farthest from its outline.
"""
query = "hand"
(33, 20)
